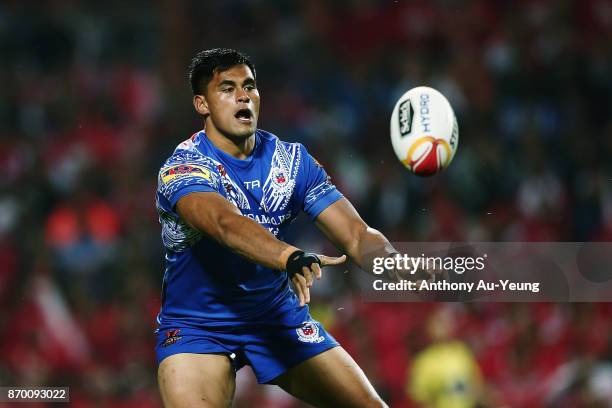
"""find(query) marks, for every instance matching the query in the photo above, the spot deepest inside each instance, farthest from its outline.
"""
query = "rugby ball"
(424, 131)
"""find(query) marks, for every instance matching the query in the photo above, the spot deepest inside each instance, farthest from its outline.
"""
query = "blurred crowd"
(94, 98)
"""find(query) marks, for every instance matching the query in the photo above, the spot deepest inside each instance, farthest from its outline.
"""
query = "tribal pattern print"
(278, 187)
(318, 191)
(176, 235)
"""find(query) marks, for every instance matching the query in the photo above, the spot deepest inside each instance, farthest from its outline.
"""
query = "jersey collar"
(204, 145)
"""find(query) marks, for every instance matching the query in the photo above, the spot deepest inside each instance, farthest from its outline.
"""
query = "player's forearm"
(252, 241)
(370, 244)
(341, 223)
(214, 216)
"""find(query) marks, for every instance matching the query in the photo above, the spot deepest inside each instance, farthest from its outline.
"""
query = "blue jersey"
(205, 284)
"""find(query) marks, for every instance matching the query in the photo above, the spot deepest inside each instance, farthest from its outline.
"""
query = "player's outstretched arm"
(213, 215)
(343, 226)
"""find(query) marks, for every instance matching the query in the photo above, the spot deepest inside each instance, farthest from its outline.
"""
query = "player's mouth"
(244, 116)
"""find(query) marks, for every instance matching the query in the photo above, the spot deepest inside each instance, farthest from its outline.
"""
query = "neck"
(238, 147)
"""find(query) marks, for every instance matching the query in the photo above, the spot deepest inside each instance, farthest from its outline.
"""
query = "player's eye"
(227, 90)
(249, 87)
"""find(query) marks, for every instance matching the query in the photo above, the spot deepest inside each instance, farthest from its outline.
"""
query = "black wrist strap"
(298, 259)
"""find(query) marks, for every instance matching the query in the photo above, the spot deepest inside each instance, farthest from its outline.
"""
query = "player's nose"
(242, 96)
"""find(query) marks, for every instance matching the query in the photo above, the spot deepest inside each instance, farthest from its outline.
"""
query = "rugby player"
(225, 199)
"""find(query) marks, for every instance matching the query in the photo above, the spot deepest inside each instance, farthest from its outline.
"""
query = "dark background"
(94, 96)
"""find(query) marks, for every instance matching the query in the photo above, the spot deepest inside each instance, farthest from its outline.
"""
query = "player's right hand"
(303, 268)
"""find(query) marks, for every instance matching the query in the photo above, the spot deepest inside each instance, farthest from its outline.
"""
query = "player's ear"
(201, 105)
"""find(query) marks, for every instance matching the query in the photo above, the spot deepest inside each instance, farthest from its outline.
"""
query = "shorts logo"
(309, 333)
(185, 170)
(172, 337)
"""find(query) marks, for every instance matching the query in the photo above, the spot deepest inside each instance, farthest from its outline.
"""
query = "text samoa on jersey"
(270, 222)
(269, 219)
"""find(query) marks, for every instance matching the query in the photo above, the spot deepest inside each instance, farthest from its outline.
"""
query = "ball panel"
(427, 156)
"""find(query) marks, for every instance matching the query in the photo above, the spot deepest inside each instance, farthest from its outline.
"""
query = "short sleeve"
(179, 177)
(319, 191)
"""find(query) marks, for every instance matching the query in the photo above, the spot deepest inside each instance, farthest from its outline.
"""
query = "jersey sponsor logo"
(252, 185)
(309, 333)
(172, 336)
(183, 170)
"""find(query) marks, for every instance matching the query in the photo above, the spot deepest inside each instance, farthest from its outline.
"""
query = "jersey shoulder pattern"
(189, 167)
(319, 190)
(186, 167)
(280, 183)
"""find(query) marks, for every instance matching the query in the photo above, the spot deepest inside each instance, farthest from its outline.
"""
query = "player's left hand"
(303, 268)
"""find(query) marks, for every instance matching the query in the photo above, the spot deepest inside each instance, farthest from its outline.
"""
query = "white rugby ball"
(424, 131)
